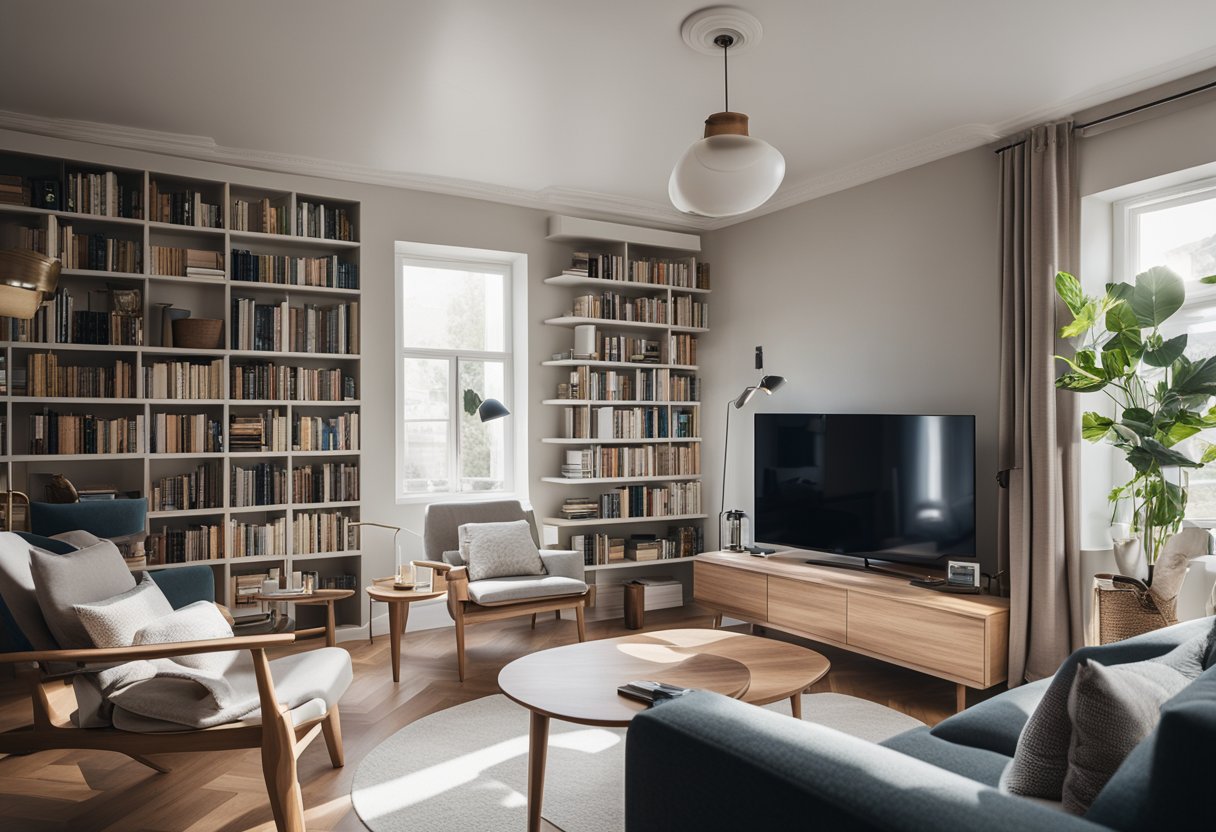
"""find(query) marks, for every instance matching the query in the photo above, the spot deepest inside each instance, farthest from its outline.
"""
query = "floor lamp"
(731, 533)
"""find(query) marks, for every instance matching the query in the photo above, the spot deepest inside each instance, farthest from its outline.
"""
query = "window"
(456, 350)
(1177, 228)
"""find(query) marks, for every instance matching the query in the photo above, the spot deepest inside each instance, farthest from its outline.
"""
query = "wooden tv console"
(963, 638)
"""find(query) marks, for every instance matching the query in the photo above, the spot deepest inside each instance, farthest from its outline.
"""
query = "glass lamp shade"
(725, 175)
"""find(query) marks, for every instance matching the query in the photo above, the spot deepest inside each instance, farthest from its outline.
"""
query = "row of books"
(98, 252)
(263, 484)
(278, 327)
(682, 349)
(69, 433)
(326, 433)
(183, 207)
(201, 488)
(633, 501)
(259, 432)
(323, 531)
(600, 548)
(257, 539)
(325, 483)
(103, 194)
(186, 433)
(611, 306)
(632, 461)
(278, 381)
(107, 328)
(14, 190)
(628, 348)
(661, 385)
(198, 379)
(282, 270)
(630, 423)
(187, 262)
(203, 541)
(260, 215)
(689, 312)
(325, 221)
(45, 376)
(651, 271)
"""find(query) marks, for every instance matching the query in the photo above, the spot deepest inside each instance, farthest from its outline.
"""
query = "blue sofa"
(708, 762)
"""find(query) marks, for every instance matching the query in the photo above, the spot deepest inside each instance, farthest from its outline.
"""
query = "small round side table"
(398, 601)
(318, 596)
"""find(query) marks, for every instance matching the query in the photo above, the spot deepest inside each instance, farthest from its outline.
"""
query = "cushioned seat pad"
(979, 764)
(500, 590)
(996, 723)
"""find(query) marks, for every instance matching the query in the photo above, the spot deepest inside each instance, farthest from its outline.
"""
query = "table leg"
(960, 698)
(796, 705)
(394, 636)
(331, 628)
(538, 749)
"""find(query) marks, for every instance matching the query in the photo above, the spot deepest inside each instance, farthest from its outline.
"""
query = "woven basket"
(198, 333)
(1125, 607)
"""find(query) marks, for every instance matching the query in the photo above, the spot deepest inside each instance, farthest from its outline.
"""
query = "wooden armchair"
(471, 602)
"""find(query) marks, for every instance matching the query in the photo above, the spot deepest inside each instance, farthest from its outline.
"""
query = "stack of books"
(577, 465)
(580, 508)
(13, 191)
(259, 216)
(643, 547)
(242, 588)
(187, 262)
(261, 432)
(598, 549)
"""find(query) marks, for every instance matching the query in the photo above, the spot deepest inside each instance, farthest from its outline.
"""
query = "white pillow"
(115, 621)
(199, 621)
(499, 550)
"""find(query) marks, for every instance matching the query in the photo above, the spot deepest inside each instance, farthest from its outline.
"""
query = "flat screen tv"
(889, 488)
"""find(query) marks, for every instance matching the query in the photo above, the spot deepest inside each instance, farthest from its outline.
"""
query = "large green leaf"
(1095, 426)
(1139, 420)
(1209, 453)
(1084, 319)
(1166, 456)
(1069, 290)
(1194, 378)
(1158, 294)
(1176, 432)
(1167, 353)
(1119, 291)
(1120, 318)
(1115, 363)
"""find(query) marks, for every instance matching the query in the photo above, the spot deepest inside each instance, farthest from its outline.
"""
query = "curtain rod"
(1128, 112)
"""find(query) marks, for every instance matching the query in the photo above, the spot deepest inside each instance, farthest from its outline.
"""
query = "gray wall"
(883, 298)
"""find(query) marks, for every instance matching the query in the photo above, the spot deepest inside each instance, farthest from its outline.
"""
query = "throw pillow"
(1112, 710)
(81, 577)
(115, 621)
(200, 621)
(499, 550)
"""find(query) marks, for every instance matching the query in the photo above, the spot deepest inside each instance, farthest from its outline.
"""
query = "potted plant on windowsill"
(1162, 398)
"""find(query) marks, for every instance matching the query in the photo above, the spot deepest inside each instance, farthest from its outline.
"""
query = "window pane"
(1182, 237)
(425, 388)
(453, 309)
(483, 455)
(425, 463)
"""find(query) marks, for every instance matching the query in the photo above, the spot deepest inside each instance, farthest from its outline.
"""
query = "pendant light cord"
(725, 41)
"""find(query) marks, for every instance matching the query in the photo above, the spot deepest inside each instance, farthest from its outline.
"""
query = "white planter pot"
(1129, 556)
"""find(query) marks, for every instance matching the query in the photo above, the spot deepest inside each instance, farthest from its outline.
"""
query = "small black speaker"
(44, 193)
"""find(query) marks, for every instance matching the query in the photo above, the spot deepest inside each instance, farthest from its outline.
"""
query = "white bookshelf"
(630, 244)
(206, 297)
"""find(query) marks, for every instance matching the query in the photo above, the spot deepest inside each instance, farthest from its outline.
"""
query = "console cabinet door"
(731, 590)
(944, 643)
(805, 607)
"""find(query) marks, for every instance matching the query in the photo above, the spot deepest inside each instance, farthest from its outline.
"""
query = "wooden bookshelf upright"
(652, 272)
(145, 227)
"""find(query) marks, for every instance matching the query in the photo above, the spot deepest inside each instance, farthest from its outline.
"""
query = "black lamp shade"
(770, 384)
(492, 409)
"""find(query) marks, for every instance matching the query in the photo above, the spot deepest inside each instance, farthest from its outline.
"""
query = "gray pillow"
(499, 550)
(1112, 710)
(81, 577)
(115, 621)
(200, 621)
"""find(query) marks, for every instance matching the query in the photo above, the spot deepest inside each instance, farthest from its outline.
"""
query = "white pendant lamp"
(728, 172)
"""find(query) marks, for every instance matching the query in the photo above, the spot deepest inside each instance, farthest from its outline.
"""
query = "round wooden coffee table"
(578, 682)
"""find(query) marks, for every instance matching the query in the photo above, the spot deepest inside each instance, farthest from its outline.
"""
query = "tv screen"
(895, 488)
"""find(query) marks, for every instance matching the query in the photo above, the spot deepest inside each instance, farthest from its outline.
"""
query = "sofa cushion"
(199, 621)
(49, 544)
(1112, 709)
(113, 622)
(499, 550)
(502, 590)
(979, 764)
(185, 585)
(995, 723)
(63, 581)
(27, 630)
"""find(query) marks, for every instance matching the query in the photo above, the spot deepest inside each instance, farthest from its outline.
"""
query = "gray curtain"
(1038, 518)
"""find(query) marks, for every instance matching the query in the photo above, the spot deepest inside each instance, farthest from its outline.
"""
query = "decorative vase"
(1129, 557)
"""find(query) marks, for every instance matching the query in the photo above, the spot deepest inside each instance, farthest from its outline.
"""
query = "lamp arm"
(725, 445)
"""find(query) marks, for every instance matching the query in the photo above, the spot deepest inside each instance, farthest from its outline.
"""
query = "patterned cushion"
(81, 577)
(199, 621)
(499, 550)
(115, 621)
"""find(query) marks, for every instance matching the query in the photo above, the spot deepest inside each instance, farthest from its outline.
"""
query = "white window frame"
(1126, 249)
(513, 266)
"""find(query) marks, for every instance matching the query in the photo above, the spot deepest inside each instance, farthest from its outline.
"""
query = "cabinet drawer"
(731, 590)
(809, 608)
(946, 643)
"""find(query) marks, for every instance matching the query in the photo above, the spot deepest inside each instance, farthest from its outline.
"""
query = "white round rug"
(466, 768)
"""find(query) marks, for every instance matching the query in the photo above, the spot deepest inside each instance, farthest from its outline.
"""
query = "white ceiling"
(575, 103)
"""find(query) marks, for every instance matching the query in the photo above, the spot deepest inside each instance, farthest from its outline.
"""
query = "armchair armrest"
(438, 565)
(797, 775)
(564, 562)
(115, 655)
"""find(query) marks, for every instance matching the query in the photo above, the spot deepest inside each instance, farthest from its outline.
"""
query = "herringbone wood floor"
(85, 791)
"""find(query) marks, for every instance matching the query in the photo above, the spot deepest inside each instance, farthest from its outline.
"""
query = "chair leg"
(557, 615)
(533, 621)
(582, 626)
(144, 761)
(278, 753)
(332, 729)
(460, 647)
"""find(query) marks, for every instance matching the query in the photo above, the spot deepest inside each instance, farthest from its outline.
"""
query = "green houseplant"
(1162, 398)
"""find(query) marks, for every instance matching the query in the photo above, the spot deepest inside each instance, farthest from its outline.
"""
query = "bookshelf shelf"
(658, 440)
(622, 521)
(615, 403)
(636, 564)
(577, 281)
(144, 242)
(618, 365)
(613, 323)
(618, 480)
